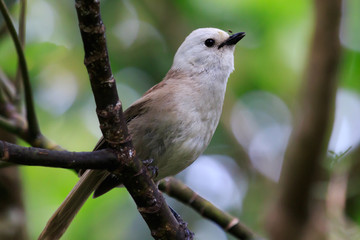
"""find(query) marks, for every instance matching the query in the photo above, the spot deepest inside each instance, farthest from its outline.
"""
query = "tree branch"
(7, 86)
(102, 159)
(30, 131)
(22, 22)
(34, 130)
(22, 27)
(15, 125)
(147, 197)
(307, 146)
(176, 189)
(10, 126)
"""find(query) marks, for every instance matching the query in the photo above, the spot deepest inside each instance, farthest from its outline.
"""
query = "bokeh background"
(240, 169)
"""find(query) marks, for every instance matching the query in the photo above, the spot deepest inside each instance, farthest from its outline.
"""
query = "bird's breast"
(174, 134)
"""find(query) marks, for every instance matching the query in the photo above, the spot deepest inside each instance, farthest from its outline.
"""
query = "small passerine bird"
(172, 123)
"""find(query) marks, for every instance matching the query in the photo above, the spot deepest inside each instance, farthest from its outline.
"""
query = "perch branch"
(289, 217)
(102, 159)
(176, 189)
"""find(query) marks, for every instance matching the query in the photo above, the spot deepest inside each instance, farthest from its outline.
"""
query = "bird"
(172, 123)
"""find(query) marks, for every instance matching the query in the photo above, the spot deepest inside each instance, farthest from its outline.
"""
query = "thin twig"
(34, 130)
(11, 126)
(43, 142)
(6, 85)
(3, 98)
(17, 127)
(3, 28)
(22, 22)
(22, 27)
(176, 189)
(102, 159)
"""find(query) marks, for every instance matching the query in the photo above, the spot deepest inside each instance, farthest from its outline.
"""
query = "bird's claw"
(147, 162)
(153, 170)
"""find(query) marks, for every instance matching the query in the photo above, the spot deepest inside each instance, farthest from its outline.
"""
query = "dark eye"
(209, 42)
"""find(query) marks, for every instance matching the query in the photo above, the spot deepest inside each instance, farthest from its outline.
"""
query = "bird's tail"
(61, 219)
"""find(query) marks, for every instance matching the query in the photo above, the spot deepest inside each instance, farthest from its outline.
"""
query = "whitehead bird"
(172, 123)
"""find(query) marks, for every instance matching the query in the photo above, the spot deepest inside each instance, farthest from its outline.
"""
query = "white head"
(207, 49)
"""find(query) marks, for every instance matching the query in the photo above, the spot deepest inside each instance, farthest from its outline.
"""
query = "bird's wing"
(135, 110)
(112, 180)
(91, 180)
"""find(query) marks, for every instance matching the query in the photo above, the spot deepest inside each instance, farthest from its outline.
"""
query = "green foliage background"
(143, 36)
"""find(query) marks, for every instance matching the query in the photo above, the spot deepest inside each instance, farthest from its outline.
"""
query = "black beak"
(233, 39)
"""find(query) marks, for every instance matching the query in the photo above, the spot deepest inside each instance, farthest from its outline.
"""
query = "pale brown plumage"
(172, 124)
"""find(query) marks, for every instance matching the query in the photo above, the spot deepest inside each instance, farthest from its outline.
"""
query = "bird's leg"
(188, 234)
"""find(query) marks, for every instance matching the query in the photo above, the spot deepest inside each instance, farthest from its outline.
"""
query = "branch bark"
(102, 159)
(289, 217)
(176, 189)
(147, 197)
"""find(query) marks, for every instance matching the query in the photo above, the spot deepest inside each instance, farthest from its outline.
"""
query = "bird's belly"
(180, 155)
(172, 149)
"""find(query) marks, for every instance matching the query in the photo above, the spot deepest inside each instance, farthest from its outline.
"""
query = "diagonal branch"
(102, 159)
(22, 27)
(176, 189)
(150, 202)
(34, 130)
